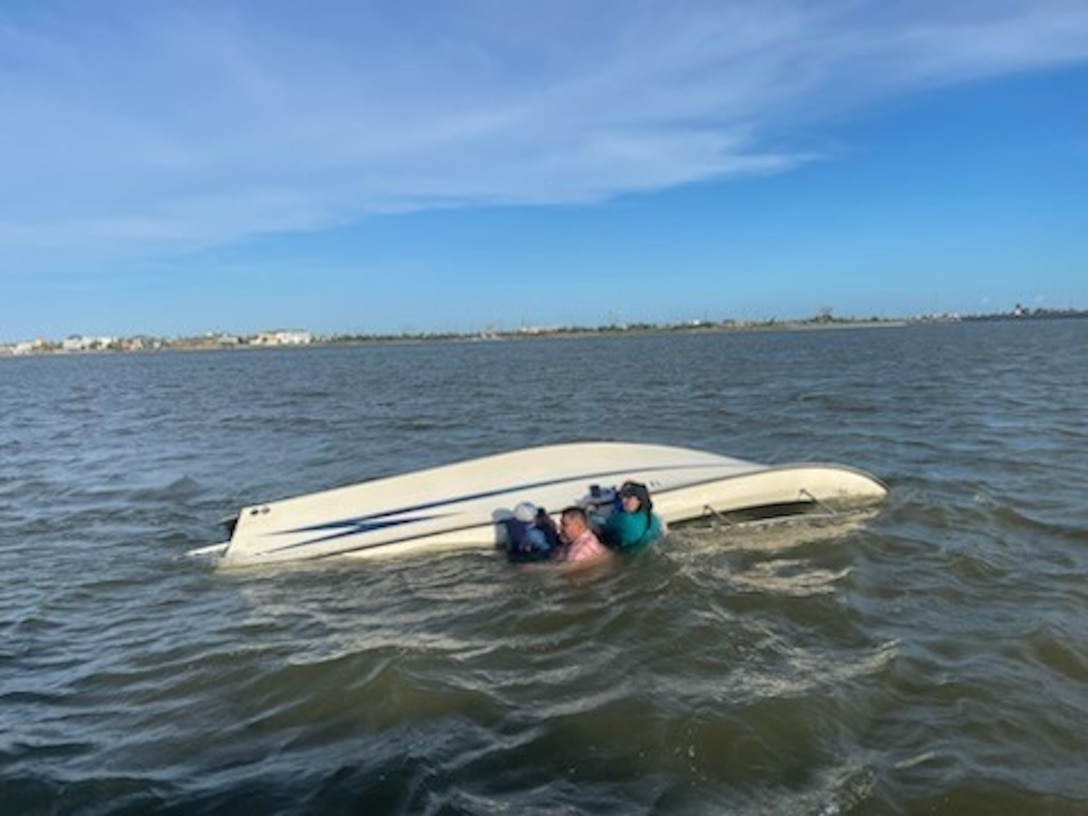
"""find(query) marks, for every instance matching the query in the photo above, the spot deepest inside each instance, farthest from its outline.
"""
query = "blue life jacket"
(528, 541)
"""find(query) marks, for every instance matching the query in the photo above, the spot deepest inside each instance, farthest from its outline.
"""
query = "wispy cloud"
(135, 127)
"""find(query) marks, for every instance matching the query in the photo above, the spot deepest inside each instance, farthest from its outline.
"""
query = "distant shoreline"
(222, 342)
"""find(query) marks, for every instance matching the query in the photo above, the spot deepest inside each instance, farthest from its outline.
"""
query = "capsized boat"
(461, 505)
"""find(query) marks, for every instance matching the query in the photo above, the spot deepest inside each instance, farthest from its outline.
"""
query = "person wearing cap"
(635, 525)
(530, 535)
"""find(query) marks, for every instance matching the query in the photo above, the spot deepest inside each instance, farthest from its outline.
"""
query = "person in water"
(634, 525)
(583, 546)
(531, 535)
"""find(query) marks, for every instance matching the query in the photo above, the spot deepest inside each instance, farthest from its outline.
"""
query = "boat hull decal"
(349, 528)
(344, 528)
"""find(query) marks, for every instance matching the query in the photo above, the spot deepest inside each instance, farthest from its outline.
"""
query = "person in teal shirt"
(635, 525)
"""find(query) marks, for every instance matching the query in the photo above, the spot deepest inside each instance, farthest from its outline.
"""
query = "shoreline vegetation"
(76, 344)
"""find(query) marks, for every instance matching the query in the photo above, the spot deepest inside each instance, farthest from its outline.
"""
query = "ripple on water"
(927, 659)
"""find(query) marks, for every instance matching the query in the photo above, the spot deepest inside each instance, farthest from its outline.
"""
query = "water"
(932, 659)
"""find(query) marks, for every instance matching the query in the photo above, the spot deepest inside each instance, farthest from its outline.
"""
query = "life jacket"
(527, 541)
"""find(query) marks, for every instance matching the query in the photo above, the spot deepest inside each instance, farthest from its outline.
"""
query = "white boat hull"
(457, 506)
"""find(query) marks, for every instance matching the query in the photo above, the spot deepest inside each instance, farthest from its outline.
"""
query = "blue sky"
(178, 168)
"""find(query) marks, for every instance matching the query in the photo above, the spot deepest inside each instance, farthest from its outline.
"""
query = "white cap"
(526, 511)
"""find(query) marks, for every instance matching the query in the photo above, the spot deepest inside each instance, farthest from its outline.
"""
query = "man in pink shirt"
(584, 548)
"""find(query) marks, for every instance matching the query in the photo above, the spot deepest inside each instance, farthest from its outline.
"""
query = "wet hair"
(640, 492)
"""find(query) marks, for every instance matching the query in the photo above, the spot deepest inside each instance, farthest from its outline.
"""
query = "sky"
(386, 166)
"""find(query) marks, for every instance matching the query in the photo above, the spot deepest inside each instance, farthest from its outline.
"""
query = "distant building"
(283, 338)
(29, 346)
(77, 342)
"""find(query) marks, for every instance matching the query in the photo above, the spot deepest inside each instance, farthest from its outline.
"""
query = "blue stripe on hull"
(377, 521)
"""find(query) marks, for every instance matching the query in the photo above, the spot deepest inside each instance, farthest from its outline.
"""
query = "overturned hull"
(457, 506)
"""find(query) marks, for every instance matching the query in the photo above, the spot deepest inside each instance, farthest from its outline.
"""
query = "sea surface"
(931, 658)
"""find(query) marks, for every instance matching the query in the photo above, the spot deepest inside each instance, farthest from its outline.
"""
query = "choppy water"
(933, 659)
